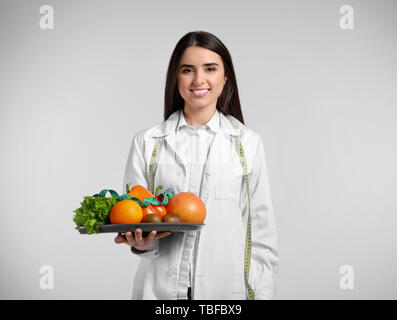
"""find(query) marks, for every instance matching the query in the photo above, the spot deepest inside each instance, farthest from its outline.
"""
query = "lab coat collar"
(169, 127)
(212, 124)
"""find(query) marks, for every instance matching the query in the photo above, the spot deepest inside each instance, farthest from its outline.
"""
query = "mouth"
(200, 92)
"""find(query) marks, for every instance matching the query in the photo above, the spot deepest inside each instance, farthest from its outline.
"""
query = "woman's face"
(201, 77)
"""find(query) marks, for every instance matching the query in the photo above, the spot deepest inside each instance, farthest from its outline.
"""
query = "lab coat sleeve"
(264, 252)
(135, 174)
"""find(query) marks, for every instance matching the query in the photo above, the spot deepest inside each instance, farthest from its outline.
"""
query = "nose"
(199, 78)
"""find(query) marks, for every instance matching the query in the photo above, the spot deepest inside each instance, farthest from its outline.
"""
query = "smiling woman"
(203, 147)
(200, 84)
(200, 61)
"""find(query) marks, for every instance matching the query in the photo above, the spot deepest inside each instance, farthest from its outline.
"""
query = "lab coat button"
(171, 271)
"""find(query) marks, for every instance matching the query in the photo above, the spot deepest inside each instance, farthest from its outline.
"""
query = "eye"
(211, 69)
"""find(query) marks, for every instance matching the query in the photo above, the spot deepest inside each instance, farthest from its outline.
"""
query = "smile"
(200, 93)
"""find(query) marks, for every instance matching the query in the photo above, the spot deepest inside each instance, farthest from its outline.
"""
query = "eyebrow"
(192, 66)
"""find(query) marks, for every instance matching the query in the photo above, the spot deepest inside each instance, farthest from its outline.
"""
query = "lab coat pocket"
(238, 265)
(228, 181)
(169, 176)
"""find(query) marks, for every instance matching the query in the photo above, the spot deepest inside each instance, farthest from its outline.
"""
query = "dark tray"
(146, 227)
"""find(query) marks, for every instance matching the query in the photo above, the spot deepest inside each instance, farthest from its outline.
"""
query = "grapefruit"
(189, 206)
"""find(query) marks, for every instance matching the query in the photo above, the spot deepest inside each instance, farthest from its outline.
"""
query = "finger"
(162, 235)
(117, 239)
(152, 235)
(138, 236)
(130, 237)
(120, 239)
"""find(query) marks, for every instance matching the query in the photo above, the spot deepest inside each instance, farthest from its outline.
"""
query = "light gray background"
(323, 99)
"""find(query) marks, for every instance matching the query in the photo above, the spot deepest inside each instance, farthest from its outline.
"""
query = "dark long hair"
(228, 102)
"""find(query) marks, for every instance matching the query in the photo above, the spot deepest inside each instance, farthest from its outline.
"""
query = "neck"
(198, 116)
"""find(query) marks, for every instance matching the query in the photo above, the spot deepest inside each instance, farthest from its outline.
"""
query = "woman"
(235, 255)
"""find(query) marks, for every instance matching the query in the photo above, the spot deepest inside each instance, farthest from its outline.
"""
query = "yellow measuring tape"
(248, 240)
(247, 253)
(153, 161)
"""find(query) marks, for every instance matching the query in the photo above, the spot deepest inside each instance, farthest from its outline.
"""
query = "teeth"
(200, 91)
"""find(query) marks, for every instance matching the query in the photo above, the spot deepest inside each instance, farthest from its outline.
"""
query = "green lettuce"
(93, 212)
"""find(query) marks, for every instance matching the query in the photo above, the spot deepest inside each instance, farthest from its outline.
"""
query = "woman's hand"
(137, 241)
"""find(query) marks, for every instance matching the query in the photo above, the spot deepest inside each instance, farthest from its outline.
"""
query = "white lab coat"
(219, 270)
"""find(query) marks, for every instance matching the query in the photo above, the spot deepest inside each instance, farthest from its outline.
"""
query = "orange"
(189, 206)
(141, 193)
(126, 211)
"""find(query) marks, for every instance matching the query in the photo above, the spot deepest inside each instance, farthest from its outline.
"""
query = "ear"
(225, 80)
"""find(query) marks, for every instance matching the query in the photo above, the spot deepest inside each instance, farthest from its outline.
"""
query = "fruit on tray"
(151, 218)
(189, 206)
(138, 206)
(172, 217)
(141, 193)
(126, 211)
